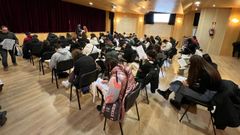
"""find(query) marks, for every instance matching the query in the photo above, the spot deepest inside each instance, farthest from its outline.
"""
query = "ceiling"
(144, 6)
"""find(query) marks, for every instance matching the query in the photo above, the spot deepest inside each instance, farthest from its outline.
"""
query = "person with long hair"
(119, 83)
(201, 84)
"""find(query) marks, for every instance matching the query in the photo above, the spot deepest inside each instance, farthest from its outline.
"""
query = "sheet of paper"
(8, 44)
(141, 53)
(180, 78)
(198, 52)
(118, 48)
(182, 63)
(185, 56)
(88, 49)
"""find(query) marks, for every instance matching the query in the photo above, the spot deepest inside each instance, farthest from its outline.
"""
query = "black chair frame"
(129, 105)
(207, 105)
(90, 77)
(61, 66)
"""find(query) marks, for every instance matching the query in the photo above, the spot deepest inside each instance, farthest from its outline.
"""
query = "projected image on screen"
(161, 18)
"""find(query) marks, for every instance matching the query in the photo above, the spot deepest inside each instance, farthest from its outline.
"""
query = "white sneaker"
(66, 84)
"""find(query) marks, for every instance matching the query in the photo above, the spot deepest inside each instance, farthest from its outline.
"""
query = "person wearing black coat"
(148, 71)
(82, 64)
(129, 54)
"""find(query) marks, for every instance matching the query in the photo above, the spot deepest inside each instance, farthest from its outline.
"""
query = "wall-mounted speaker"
(148, 18)
(172, 19)
(196, 19)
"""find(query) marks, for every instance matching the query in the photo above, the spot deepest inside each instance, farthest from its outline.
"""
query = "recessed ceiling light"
(197, 3)
(143, 7)
(90, 3)
(196, 9)
(214, 5)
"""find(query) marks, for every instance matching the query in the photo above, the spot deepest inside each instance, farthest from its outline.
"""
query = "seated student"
(129, 54)
(28, 38)
(75, 44)
(145, 68)
(160, 55)
(195, 42)
(84, 39)
(152, 40)
(26, 45)
(166, 45)
(52, 38)
(46, 47)
(158, 40)
(63, 40)
(82, 64)
(189, 48)
(209, 60)
(172, 41)
(148, 45)
(202, 83)
(94, 39)
(89, 49)
(120, 79)
(61, 54)
(35, 43)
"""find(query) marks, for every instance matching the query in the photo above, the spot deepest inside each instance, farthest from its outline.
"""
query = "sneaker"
(175, 104)
(66, 84)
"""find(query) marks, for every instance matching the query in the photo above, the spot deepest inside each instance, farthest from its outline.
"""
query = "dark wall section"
(49, 16)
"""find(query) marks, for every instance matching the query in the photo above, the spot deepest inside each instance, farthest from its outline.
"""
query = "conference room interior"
(33, 96)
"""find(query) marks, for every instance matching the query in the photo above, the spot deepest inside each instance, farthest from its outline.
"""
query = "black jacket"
(83, 65)
(227, 103)
(149, 74)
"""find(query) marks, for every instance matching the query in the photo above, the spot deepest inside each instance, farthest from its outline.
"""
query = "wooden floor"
(36, 107)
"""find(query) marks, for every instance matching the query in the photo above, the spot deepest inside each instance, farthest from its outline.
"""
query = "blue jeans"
(181, 91)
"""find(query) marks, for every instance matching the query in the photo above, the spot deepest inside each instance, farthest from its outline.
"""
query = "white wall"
(158, 29)
(127, 24)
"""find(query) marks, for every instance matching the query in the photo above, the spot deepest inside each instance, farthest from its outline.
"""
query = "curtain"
(49, 16)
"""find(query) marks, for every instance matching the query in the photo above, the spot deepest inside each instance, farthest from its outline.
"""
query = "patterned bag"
(112, 111)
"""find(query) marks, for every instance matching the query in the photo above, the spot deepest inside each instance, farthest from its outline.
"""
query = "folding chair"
(84, 80)
(61, 66)
(130, 100)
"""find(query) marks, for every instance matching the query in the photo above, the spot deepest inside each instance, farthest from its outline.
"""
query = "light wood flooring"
(36, 107)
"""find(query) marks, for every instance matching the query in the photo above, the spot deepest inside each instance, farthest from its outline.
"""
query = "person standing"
(5, 34)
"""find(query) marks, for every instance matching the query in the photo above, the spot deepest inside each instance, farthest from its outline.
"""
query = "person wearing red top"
(27, 38)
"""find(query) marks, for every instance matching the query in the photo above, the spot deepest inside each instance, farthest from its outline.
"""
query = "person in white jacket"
(166, 45)
(89, 49)
(61, 54)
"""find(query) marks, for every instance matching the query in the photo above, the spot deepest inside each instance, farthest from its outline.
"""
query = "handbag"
(18, 50)
(112, 111)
